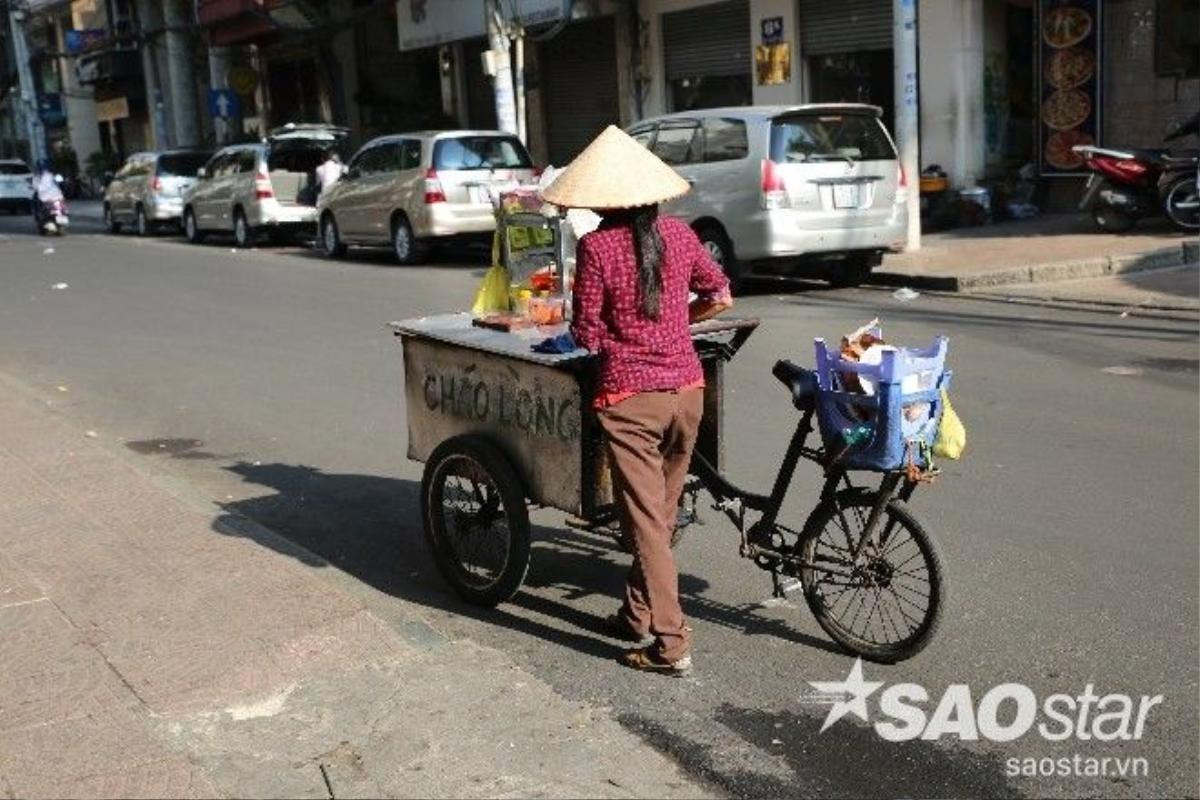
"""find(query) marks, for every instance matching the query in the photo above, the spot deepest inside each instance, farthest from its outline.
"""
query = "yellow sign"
(773, 63)
(242, 80)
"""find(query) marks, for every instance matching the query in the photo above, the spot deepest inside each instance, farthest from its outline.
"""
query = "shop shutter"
(844, 26)
(578, 74)
(708, 40)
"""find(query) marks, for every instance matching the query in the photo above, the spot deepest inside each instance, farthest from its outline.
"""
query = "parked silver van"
(410, 189)
(775, 188)
(266, 188)
(147, 191)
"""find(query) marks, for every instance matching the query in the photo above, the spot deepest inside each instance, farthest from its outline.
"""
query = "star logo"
(854, 692)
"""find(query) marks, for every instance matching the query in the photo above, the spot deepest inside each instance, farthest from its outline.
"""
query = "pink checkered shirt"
(639, 354)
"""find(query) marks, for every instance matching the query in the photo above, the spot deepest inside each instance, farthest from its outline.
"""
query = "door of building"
(578, 76)
(848, 45)
(706, 55)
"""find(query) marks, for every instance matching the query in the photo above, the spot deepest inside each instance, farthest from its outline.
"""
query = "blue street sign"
(223, 103)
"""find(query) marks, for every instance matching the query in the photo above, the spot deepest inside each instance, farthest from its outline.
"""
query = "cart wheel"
(476, 522)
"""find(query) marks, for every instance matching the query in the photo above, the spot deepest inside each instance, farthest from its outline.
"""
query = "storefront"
(848, 49)
(577, 79)
(706, 56)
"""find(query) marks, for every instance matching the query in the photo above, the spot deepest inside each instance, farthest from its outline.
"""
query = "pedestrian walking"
(631, 305)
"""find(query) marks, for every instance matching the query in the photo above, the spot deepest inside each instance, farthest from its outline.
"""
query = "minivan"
(267, 188)
(412, 189)
(147, 191)
(779, 188)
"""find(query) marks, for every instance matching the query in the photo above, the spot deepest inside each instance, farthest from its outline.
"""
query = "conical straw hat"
(614, 171)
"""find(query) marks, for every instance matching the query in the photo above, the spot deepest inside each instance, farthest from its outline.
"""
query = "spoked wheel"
(1182, 203)
(476, 521)
(885, 606)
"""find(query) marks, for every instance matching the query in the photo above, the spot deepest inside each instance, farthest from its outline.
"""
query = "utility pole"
(904, 47)
(154, 94)
(506, 106)
(180, 74)
(28, 100)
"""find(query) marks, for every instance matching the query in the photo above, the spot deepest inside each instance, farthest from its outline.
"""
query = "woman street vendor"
(634, 276)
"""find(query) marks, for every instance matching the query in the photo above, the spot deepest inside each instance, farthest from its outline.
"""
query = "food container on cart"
(896, 421)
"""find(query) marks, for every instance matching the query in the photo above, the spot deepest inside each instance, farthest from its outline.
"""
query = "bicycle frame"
(734, 501)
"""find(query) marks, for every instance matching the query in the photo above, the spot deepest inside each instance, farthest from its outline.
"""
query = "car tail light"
(433, 188)
(774, 189)
(262, 187)
(156, 184)
(537, 172)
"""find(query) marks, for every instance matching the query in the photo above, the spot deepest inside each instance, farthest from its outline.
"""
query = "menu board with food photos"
(1069, 68)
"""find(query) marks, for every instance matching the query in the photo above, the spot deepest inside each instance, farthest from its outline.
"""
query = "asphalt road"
(267, 381)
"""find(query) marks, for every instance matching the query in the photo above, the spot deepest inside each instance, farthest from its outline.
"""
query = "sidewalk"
(1052, 247)
(145, 654)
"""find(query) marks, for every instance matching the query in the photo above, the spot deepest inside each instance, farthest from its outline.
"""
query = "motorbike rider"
(45, 184)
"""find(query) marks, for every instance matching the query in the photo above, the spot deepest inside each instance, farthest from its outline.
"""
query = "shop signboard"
(425, 23)
(1069, 70)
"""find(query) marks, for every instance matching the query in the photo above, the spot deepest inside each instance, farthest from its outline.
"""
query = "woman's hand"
(703, 308)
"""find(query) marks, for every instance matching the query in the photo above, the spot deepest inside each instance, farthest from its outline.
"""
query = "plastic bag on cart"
(492, 295)
(952, 434)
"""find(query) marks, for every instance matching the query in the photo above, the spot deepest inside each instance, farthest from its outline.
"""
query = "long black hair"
(648, 246)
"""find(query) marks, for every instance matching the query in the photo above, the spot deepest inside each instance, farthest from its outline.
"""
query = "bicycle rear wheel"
(888, 607)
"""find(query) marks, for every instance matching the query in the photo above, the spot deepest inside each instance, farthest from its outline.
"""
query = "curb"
(1097, 267)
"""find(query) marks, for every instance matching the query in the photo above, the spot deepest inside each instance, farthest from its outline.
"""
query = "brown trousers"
(650, 440)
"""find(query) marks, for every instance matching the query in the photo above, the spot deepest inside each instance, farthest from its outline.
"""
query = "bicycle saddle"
(800, 381)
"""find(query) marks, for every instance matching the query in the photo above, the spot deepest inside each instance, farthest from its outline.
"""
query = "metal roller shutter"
(845, 26)
(579, 76)
(708, 40)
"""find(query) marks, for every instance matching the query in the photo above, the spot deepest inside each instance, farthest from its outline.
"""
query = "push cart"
(500, 427)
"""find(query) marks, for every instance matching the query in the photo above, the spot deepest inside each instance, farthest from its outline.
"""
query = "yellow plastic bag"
(492, 295)
(952, 434)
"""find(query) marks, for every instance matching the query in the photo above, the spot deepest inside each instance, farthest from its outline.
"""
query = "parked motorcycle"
(1129, 184)
(50, 216)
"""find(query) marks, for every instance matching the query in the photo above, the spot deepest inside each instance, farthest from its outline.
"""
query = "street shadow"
(1183, 281)
(370, 527)
(847, 760)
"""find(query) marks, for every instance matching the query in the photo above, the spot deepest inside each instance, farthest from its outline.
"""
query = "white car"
(16, 186)
(262, 189)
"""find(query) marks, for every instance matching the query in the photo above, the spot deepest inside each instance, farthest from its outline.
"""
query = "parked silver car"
(265, 188)
(16, 186)
(410, 189)
(147, 191)
(775, 188)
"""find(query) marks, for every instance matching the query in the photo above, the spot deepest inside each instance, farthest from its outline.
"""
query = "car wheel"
(110, 222)
(190, 228)
(331, 240)
(720, 249)
(243, 234)
(850, 271)
(141, 224)
(405, 246)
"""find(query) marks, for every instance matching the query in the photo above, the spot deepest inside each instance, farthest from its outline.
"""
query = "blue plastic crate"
(872, 431)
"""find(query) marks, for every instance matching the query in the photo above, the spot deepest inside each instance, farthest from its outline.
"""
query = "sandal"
(645, 660)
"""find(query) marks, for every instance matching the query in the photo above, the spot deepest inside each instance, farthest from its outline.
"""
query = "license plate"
(845, 195)
(478, 194)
